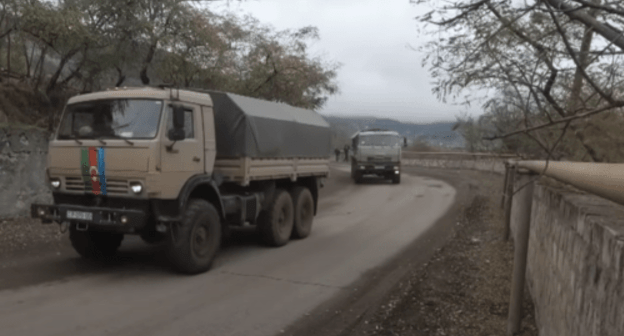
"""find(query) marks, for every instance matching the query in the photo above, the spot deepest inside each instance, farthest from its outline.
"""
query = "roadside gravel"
(26, 236)
(464, 289)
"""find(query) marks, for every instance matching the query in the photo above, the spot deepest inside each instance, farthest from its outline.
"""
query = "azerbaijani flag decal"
(93, 169)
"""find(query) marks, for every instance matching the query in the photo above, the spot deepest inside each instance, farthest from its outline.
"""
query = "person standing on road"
(337, 152)
(346, 152)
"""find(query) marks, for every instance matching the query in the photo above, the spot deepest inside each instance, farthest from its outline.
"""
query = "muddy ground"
(462, 288)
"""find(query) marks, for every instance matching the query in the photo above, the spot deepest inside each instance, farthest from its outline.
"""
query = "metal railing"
(601, 179)
(459, 154)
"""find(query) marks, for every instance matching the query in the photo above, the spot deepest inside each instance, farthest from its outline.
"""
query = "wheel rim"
(200, 241)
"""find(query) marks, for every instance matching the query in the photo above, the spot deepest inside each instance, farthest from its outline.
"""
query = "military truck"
(183, 167)
(377, 152)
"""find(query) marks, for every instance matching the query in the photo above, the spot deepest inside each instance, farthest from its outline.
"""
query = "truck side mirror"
(177, 133)
(404, 142)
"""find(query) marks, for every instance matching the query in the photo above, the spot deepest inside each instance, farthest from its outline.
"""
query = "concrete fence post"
(505, 186)
(509, 189)
(522, 213)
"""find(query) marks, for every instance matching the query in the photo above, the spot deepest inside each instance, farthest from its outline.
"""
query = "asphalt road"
(251, 290)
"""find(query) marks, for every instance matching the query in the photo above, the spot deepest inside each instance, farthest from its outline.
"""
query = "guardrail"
(459, 154)
(601, 179)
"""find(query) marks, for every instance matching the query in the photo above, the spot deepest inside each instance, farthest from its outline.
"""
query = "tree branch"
(562, 120)
(600, 28)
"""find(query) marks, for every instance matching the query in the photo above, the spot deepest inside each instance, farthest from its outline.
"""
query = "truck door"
(185, 158)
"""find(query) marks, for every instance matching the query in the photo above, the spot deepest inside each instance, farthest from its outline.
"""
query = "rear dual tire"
(304, 212)
(289, 215)
(275, 224)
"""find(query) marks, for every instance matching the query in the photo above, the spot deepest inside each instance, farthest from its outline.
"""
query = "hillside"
(435, 134)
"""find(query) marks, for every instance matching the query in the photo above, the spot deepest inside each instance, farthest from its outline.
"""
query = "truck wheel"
(357, 178)
(275, 224)
(195, 241)
(304, 212)
(396, 179)
(95, 245)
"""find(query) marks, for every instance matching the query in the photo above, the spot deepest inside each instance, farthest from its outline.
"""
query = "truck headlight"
(55, 183)
(136, 187)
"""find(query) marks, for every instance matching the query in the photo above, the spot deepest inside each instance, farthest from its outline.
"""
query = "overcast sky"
(380, 76)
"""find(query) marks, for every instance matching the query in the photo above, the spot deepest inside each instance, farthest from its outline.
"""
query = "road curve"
(251, 290)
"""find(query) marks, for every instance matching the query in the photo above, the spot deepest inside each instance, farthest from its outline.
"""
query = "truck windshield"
(383, 140)
(111, 118)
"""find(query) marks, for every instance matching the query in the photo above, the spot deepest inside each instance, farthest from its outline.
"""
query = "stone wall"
(575, 263)
(22, 171)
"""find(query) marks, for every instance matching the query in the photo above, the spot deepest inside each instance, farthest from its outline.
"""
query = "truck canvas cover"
(249, 127)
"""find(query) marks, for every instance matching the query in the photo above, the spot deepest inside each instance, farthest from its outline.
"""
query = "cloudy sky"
(380, 75)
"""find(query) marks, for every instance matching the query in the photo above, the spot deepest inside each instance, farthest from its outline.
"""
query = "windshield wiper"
(100, 140)
(123, 138)
(73, 137)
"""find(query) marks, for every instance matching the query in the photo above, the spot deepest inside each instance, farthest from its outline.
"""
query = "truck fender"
(201, 186)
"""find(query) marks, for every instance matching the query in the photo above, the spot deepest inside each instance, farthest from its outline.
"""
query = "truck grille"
(378, 158)
(113, 186)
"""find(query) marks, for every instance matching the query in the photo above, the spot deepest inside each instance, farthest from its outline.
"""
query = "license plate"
(379, 167)
(80, 215)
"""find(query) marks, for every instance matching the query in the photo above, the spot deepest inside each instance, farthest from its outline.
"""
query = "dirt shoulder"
(454, 280)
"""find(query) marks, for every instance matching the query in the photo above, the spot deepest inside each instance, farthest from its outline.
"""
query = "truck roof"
(145, 92)
(371, 132)
(244, 126)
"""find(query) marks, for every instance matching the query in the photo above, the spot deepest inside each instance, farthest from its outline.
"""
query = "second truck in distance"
(376, 152)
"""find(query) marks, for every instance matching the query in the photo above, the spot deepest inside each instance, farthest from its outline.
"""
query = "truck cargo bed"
(244, 170)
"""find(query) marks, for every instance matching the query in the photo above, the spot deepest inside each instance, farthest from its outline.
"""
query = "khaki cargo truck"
(377, 152)
(183, 167)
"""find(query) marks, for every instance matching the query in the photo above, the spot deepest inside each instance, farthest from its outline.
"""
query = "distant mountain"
(438, 134)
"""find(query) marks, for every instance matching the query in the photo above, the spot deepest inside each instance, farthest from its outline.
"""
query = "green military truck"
(183, 167)
(376, 152)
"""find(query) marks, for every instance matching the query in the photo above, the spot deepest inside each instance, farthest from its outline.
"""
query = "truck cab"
(172, 166)
(376, 152)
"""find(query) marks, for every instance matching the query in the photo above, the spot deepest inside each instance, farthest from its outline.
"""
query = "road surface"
(251, 290)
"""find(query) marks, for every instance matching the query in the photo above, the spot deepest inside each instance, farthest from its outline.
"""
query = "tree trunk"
(52, 83)
(38, 74)
(9, 54)
(120, 78)
(577, 86)
(54, 80)
(148, 60)
(78, 68)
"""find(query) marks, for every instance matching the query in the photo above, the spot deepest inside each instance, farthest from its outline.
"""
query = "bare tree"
(556, 62)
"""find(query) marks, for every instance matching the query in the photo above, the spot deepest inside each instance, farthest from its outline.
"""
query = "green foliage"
(92, 44)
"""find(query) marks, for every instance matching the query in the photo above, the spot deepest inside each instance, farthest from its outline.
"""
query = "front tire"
(304, 212)
(95, 245)
(275, 224)
(196, 240)
(357, 177)
(396, 179)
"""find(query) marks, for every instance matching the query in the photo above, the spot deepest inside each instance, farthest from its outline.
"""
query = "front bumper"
(110, 218)
(378, 168)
